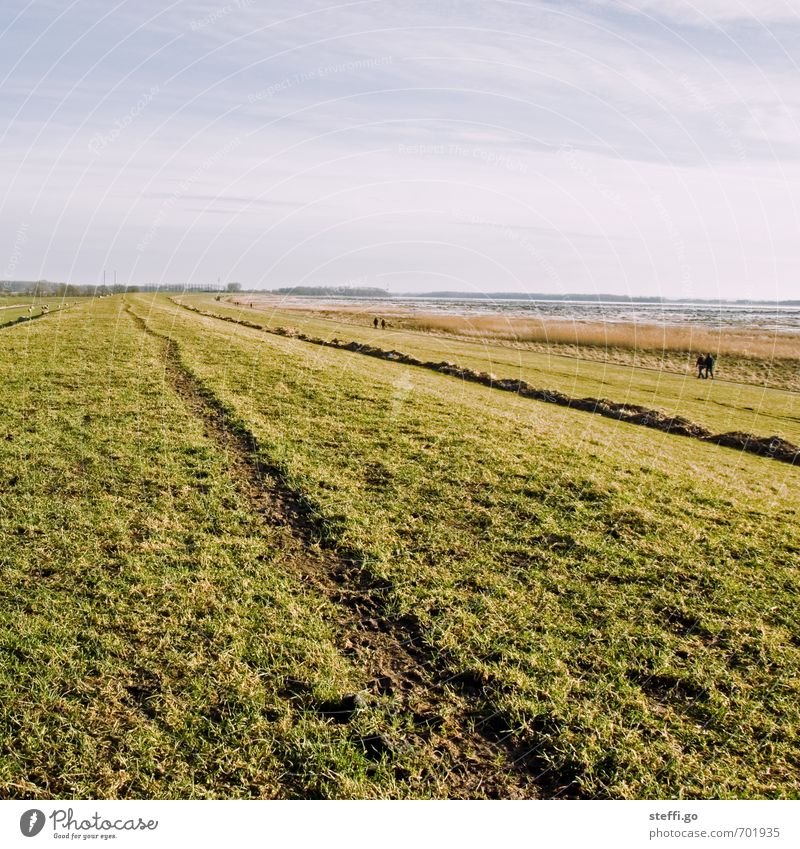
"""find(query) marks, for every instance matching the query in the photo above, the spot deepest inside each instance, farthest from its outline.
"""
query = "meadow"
(242, 565)
(727, 342)
(758, 356)
(15, 310)
(728, 403)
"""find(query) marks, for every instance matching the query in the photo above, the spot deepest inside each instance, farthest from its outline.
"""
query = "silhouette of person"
(383, 324)
(701, 365)
(710, 366)
(375, 322)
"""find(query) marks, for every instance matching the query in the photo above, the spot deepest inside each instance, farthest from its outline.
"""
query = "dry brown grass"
(763, 345)
(760, 357)
(753, 344)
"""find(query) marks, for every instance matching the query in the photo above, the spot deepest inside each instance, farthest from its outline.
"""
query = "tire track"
(452, 713)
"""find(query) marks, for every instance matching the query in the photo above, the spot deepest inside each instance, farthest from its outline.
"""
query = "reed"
(762, 345)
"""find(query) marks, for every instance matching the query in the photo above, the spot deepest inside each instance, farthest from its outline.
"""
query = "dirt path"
(448, 713)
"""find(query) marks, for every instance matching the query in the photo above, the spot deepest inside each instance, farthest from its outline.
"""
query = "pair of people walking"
(379, 322)
(705, 366)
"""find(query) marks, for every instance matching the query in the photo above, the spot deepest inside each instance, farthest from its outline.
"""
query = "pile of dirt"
(765, 446)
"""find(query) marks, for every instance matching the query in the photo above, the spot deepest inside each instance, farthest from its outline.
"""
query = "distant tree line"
(47, 288)
(334, 291)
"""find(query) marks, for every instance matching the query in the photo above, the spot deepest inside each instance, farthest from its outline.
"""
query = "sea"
(777, 317)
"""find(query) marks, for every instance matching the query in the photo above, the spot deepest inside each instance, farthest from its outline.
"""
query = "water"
(740, 316)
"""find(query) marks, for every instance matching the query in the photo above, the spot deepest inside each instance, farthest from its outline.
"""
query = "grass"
(622, 602)
(724, 342)
(148, 621)
(23, 309)
(512, 588)
(721, 405)
(763, 357)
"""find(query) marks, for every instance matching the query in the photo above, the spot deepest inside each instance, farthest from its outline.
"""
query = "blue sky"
(634, 147)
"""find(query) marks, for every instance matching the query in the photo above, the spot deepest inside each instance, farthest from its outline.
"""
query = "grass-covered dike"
(239, 565)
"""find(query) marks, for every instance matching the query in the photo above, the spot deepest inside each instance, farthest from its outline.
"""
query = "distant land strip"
(772, 447)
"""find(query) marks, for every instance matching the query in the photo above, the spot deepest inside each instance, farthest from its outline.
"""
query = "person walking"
(710, 366)
(375, 322)
(701, 365)
(383, 324)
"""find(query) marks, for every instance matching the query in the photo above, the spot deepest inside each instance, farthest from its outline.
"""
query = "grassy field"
(21, 309)
(758, 356)
(721, 405)
(241, 565)
(756, 344)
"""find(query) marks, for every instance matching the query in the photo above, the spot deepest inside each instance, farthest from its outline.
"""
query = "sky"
(641, 147)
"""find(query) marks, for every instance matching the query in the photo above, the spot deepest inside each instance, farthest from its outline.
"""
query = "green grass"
(720, 405)
(11, 313)
(623, 600)
(148, 621)
(620, 601)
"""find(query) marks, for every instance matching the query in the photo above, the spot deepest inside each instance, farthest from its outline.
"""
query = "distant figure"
(710, 366)
(375, 322)
(701, 365)
(251, 305)
(383, 324)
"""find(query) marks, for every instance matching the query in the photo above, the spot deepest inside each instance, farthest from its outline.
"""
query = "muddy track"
(448, 710)
(771, 447)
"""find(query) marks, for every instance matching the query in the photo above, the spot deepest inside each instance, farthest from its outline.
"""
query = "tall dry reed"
(755, 344)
